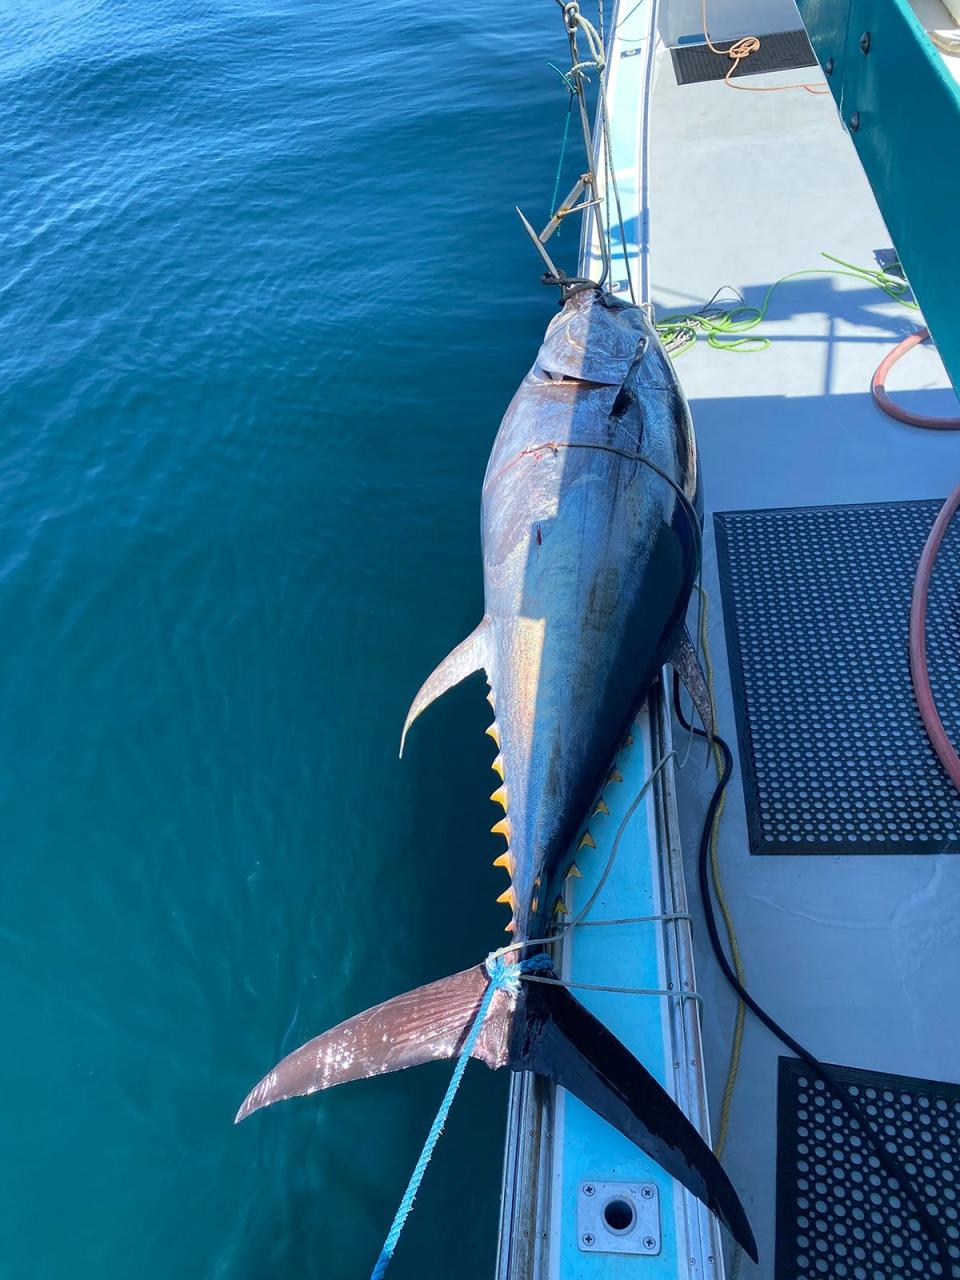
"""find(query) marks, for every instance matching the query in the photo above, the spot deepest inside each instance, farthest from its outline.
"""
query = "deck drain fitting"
(618, 1217)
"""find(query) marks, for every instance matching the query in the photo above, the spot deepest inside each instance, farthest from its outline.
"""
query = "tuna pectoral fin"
(557, 1037)
(419, 1026)
(469, 656)
(685, 662)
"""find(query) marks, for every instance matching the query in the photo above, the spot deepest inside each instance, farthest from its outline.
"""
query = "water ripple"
(263, 302)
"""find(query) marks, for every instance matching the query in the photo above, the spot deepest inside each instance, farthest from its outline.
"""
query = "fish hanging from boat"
(591, 527)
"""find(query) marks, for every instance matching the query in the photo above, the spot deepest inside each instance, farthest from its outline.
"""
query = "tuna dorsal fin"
(686, 664)
(469, 656)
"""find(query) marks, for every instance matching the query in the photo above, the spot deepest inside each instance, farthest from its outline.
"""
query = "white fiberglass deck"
(858, 956)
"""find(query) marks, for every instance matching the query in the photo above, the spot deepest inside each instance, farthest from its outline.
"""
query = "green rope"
(729, 328)
(564, 76)
(566, 133)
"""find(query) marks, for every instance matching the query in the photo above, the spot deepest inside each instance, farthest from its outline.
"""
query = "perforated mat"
(816, 605)
(779, 51)
(839, 1216)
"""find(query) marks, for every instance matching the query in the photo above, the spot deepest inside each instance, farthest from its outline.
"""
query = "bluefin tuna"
(591, 533)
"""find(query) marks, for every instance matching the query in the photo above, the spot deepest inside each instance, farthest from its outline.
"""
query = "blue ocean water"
(263, 300)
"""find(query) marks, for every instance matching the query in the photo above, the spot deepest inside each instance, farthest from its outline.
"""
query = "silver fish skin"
(591, 547)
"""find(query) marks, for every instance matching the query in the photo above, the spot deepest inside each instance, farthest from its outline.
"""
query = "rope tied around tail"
(504, 976)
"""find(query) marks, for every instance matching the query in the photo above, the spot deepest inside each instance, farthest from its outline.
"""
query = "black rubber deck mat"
(780, 51)
(816, 605)
(839, 1216)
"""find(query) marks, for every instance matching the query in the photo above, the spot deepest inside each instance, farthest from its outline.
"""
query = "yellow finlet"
(534, 904)
(511, 927)
(574, 871)
(586, 842)
(615, 776)
(490, 697)
(505, 860)
(560, 908)
(502, 828)
(601, 808)
(500, 797)
(497, 767)
(494, 733)
(509, 897)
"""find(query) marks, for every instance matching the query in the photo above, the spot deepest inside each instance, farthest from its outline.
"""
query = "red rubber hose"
(883, 401)
(918, 641)
(946, 753)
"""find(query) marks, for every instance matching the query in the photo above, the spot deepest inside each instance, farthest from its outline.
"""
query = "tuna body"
(591, 547)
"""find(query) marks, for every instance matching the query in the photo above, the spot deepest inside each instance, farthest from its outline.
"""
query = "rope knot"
(571, 15)
(506, 976)
(743, 48)
(503, 976)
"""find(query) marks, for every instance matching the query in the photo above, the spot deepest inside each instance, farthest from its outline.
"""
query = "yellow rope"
(736, 1048)
(737, 1045)
(743, 48)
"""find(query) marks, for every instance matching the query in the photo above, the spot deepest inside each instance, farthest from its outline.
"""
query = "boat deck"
(857, 956)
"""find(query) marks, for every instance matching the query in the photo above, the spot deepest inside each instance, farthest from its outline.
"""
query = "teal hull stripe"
(902, 109)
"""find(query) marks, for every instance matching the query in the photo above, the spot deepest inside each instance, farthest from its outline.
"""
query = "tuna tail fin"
(686, 664)
(542, 1029)
(469, 656)
(420, 1026)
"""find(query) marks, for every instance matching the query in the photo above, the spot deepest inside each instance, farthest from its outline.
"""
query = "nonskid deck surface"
(859, 957)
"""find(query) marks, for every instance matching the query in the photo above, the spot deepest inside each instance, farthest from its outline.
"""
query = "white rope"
(578, 922)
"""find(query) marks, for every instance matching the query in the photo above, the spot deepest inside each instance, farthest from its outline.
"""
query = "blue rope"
(503, 977)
